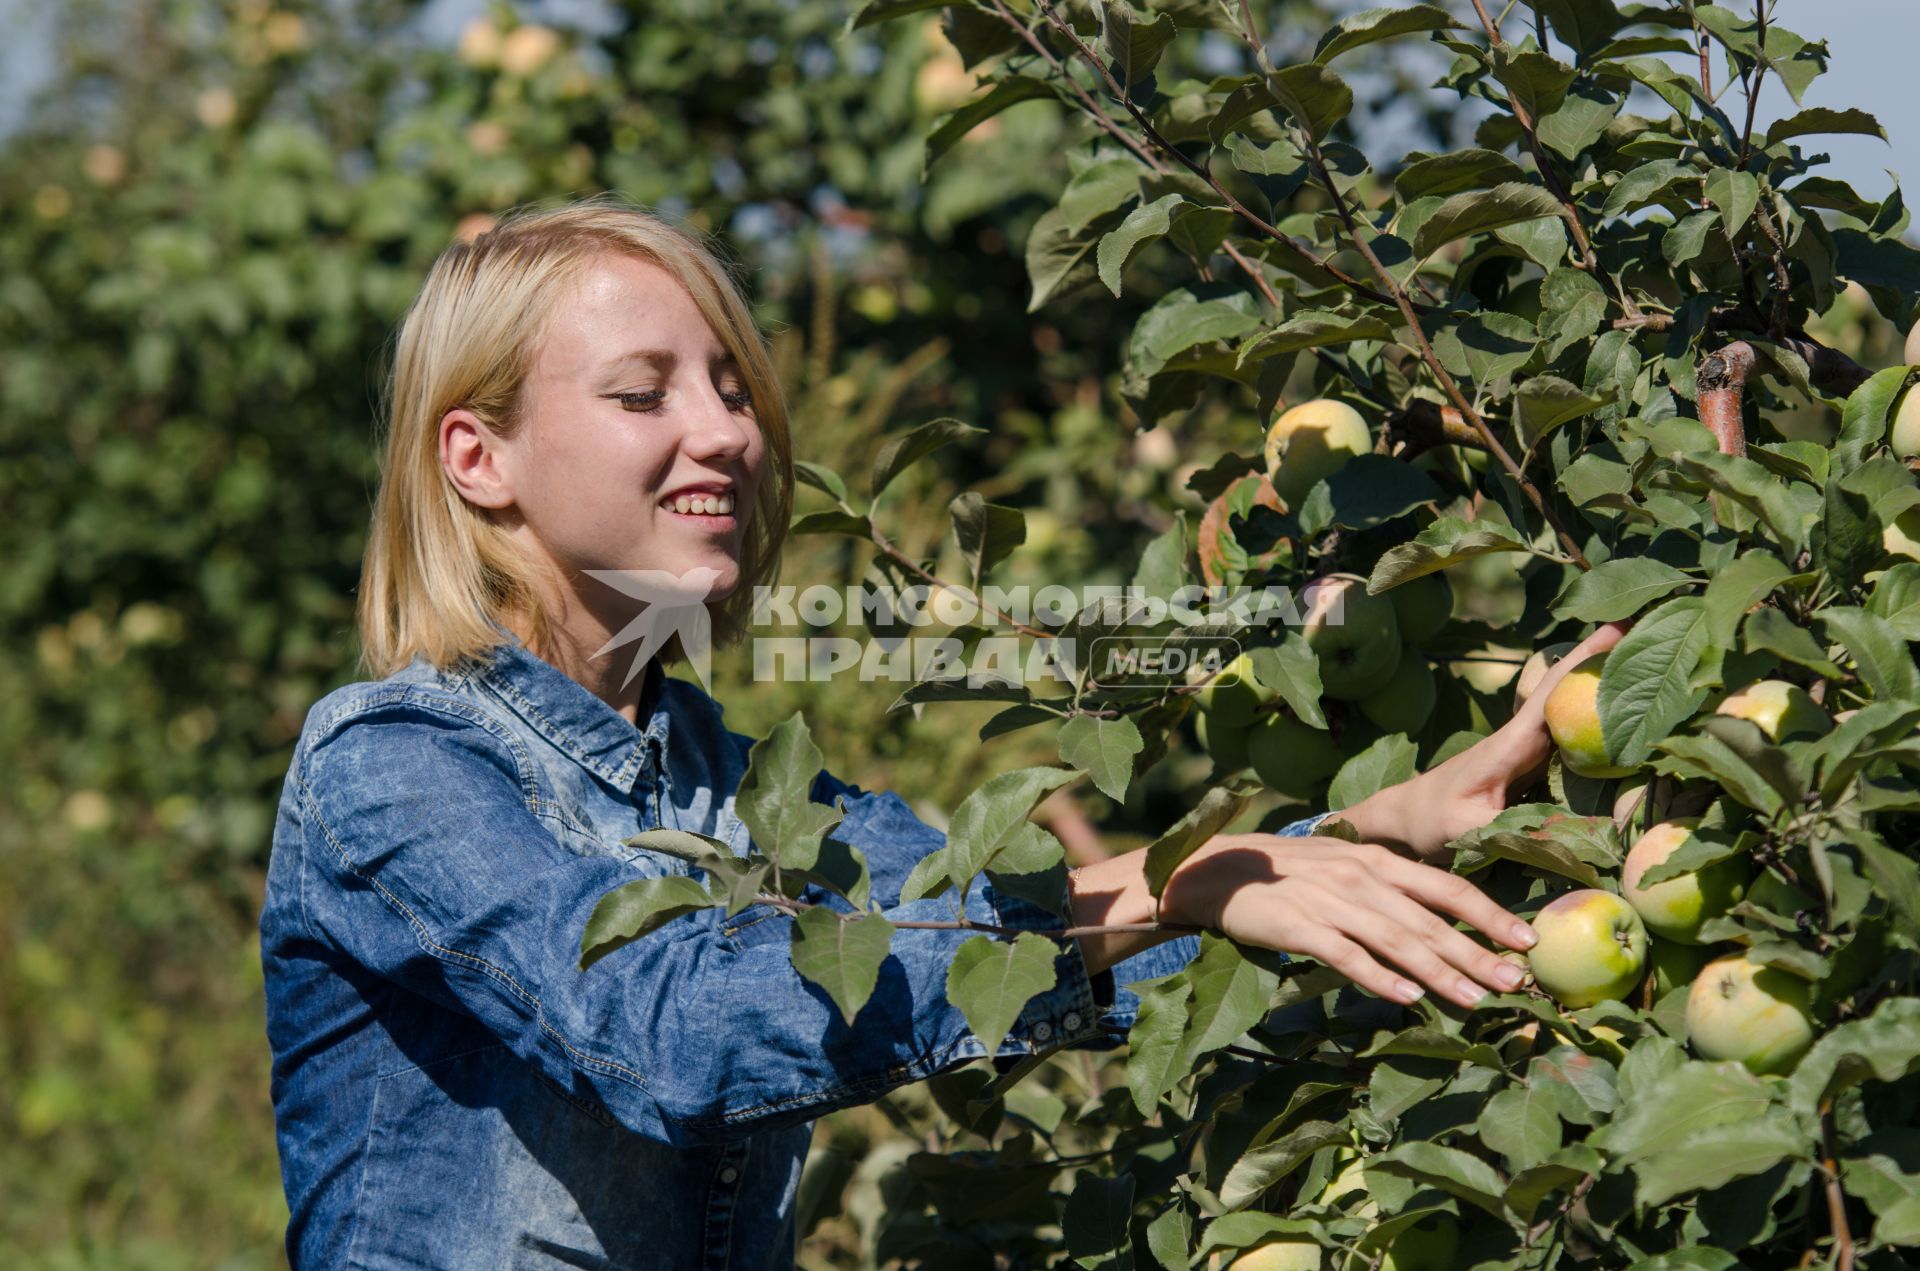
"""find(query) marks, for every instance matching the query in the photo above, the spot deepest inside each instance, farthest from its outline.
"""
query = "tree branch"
(1836, 1201)
(1722, 382)
(790, 905)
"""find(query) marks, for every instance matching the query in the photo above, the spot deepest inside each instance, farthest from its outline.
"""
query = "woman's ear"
(473, 458)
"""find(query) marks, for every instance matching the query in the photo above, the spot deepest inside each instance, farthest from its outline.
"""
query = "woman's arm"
(1350, 904)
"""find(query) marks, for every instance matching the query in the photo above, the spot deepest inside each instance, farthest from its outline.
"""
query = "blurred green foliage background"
(210, 224)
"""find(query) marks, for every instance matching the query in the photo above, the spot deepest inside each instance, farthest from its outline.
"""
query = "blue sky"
(1870, 43)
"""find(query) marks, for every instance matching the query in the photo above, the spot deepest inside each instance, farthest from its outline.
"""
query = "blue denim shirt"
(451, 1091)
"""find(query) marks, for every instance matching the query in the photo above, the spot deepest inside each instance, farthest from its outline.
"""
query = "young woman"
(584, 389)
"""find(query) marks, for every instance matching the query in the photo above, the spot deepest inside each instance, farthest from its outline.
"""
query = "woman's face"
(639, 449)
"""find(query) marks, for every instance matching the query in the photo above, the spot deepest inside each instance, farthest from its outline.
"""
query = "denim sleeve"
(427, 860)
(892, 856)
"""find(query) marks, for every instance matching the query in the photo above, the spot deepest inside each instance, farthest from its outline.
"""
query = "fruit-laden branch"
(788, 903)
(1405, 304)
(886, 547)
(1721, 379)
(1569, 210)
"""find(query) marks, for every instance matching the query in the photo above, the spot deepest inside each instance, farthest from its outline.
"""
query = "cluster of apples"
(1366, 645)
(1430, 1244)
(1597, 946)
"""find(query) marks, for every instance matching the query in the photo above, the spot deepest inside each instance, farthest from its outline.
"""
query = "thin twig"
(791, 905)
(1569, 210)
(1753, 83)
(1706, 63)
(1836, 1201)
(885, 545)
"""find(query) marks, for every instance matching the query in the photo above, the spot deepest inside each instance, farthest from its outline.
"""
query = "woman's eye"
(645, 403)
(738, 401)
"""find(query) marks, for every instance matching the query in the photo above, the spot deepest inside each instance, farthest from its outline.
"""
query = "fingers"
(1330, 948)
(1535, 711)
(1469, 969)
(1452, 894)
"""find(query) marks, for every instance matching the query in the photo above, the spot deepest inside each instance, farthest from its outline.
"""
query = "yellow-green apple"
(1309, 443)
(1422, 607)
(1405, 703)
(1235, 695)
(1355, 636)
(1289, 756)
(1527, 683)
(526, 49)
(1226, 744)
(1911, 353)
(1739, 1009)
(1630, 802)
(1903, 435)
(1288, 1253)
(1592, 948)
(1431, 1244)
(1781, 710)
(1573, 718)
(1675, 966)
(1674, 909)
(1902, 538)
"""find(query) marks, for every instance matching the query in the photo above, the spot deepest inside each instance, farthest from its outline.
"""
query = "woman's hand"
(1421, 816)
(1349, 905)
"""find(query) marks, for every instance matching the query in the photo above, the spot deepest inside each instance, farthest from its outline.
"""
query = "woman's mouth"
(711, 511)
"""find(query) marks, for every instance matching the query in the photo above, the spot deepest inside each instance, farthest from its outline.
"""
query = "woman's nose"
(716, 428)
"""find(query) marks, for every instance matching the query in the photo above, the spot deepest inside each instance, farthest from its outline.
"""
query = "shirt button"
(729, 1174)
(1042, 1031)
(1072, 1021)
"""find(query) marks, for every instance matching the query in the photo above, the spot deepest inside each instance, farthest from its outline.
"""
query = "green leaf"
(1879, 653)
(1154, 1041)
(1315, 97)
(1645, 687)
(875, 12)
(1686, 1100)
(1707, 756)
(1104, 750)
(1061, 257)
(1259, 1169)
(1169, 1237)
(1522, 1124)
(1145, 223)
(1645, 183)
(1771, 631)
(1448, 541)
(1380, 24)
(1218, 808)
(1293, 669)
(1819, 119)
(1098, 190)
(774, 797)
(1712, 1158)
(1896, 600)
(820, 477)
(1368, 490)
(1456, 171)
(957, 123)
(1885, 1046)
(915, 444)
(1387, 762)
(1747, 579)
(1180, 321)
(986, 533)
(1231, 992)
(1451, 1170)
(1095, 1218)
(1544, 402)
(1482, 210)
(832, 521)
(989, 820)
(626, 913)
(841, 956)
(1735, 195)
(1863, 420)
(1313, 328)
(1133, 40)
(992, 982)
(1617, 589)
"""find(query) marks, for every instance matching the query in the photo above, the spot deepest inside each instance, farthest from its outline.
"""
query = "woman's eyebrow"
(666, 359)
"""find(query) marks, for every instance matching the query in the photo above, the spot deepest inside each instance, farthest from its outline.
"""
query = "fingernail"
(1410, 992)
(1524, 936)
(1510, 975)
(1470, 994)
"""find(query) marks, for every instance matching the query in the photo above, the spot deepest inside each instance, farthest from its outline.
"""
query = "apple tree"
(1580, 354)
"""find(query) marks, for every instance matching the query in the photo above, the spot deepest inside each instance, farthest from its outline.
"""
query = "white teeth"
(704, 505)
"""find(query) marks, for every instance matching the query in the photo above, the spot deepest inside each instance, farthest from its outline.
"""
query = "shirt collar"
(572, 717)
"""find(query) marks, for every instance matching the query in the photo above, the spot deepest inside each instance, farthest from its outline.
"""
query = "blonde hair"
(440, 572)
